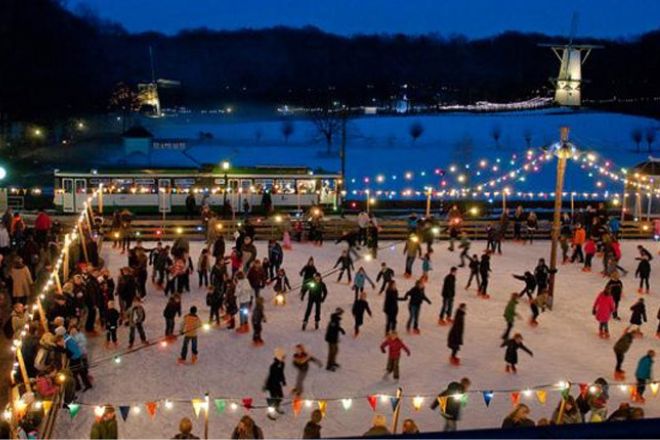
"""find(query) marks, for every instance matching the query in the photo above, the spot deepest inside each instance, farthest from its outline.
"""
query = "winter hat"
(279, 354)
(193, 310)
(339, 310)
(60, 331)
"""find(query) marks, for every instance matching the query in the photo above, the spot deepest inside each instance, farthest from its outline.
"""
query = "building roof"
(651, 167)
(137, 131)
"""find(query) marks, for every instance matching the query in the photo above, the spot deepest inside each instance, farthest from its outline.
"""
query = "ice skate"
(304, 326)
(194, 359)
(455, 361)
(619, 375)
(507, 369)
(442, 322)
(416, 331)
(533, 322)
(449, 321)
(181, 361)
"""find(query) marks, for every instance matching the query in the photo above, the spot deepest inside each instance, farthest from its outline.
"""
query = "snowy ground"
(565, 347)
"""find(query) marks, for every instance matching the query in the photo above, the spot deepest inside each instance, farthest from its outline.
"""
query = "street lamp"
(225, 167)
(3, 173)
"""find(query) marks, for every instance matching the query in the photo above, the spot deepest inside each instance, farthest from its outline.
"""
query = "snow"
(565, 345)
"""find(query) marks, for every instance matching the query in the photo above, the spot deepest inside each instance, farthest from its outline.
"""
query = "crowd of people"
(235, 277)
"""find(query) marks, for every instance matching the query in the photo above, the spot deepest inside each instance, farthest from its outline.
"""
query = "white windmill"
(568, 84)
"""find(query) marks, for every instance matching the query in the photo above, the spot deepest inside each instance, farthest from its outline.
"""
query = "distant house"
(137, 139)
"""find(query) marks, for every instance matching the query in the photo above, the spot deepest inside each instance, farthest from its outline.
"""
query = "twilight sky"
(474, 18)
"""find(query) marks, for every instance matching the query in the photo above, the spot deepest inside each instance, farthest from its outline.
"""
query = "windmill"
(568, 84)
(148, 92)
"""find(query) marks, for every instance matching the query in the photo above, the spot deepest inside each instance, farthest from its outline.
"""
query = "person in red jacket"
(42, 225)
(589, 252)
(394, 345)
(603, 309)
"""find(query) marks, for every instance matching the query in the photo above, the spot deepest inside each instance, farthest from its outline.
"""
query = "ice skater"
(511, 355)
(638, 315)
(474, 265)
(274, 383)
(386, 274)
(455, 336)
(415, 297)
(394, 346)
(360, 307)
(621, 347)
(301, 361)
(345, 264)
(361, 278)
(191, 323)
(643, 272)
(448, 294)
(603, 309)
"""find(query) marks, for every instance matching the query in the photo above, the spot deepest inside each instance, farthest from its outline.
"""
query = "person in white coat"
(244, 297)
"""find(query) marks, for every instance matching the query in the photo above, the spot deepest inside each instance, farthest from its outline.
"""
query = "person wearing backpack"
(136, 317)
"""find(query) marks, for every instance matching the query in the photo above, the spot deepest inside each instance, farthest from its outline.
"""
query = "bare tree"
(636, 135)
(287, 129)
(496, 134)
(527, 135)
(124, 101)
(328, 123)
(416, 130)
(650, 137)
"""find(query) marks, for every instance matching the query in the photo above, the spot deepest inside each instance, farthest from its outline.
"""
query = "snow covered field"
(565, 345)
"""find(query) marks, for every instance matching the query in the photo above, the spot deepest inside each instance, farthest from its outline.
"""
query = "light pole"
(563, 152)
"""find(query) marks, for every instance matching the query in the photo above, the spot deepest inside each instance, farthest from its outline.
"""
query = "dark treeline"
(56, 63)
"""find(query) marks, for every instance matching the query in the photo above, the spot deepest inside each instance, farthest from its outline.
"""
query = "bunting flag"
(247, 403)
(323, 405)
(296, 405)
(47, 405)
(395, 402)
(464, 400)
(654, 388)
(515, 398)
(151, 408)
(565, 393)
(633, 393)
(417, 402)
(488, 396)
(347, 403)
(124, 410)
(373, 400)
(220, 405)
(442, 400)
(583, 389)
(541, 396)
(197, 406)
(74, 409)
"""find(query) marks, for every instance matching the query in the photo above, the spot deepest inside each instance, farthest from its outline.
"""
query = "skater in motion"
(394, 345)
(332, 338)
(274, 383)
(530, 284)
(345, 264)
(510, 315)
(448, 294)
(455, 336)
(643, 374)
(191, 323)
(360, 306)
(317, 292)
(307, 273)
(615, 287)
(361, 278)
(386, 274)
(643, 272)
(258, 319)
(511, 354)
(484, 272)
(542, 274)
(603, 309)
(301, 361)
(391, 306)
(452, 409)
(474, 265)
(620, 349)
(415, 297)
(411, 250)
(638, 315)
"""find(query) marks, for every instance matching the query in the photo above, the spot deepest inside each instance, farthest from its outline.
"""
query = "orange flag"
(151, 408)
(515, 398)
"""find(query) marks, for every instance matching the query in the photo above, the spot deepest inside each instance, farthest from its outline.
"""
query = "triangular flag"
(151, 408)
(565, 393)
(633, 393)
(464, 399)
(323, 404)
(247, 403)
(74, 409)
(443, 403)
(488, 396)
(296, 405)
(541, 396)
(124, 410)
(197, 406)
(583, 389)
(417, 402)
(654, 388)
(372, 401)
(47, 405)
(515, 398)
(220, 405)
(395, 402)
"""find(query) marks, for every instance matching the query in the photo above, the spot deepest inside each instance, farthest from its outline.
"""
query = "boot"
(416, 331)
(194, 359)
(316, 325)
(619, 375)
(533, 322)
(454, 361)
(507, 368)
(449, 321)
(304, 326)
(442, 322)
(513, 369)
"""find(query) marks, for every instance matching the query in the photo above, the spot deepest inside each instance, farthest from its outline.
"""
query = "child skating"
(360, 307)
(603, 309)
(394, 346)
(511, 354)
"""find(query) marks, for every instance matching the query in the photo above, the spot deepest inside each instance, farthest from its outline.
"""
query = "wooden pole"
(428, 202)
(58, 284)
(42, 315)
(83, 242)
(206, 417)
(648, 206)
(397, 410)
(562, 407)
(21, 366)
(100, 200)
(562, 156)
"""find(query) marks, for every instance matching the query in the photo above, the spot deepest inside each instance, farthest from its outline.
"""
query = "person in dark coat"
(275, 256)
(345, 264)
(474, 266)
(638, 315)
(219, 248)
(332, 338)
(615, 287)
(448, 294)
(511, 355)
(643, 272)
(621, 347)
(484, 272)
(455, 336)
(415, 297)
(313, 427)
(542, 274)
(360, 306)
(171, 311)
(386, 274)
(351, 238)
(191, 206)
(317, 294)
(530, 284)
(275, 381)
(391, 306)
(452, 408)
(307, 273)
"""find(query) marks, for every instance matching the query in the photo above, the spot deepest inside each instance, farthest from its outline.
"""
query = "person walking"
(394, 346)
(332, 338)
(136, 317)
(191, 323)
(455, 335)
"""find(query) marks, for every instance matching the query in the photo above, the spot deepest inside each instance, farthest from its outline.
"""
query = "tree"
(287, 129)
(650, 137)
(496, 134)
(636, 135)
(328, 123)
(527, 135)
(416, 130)
(124, 101)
